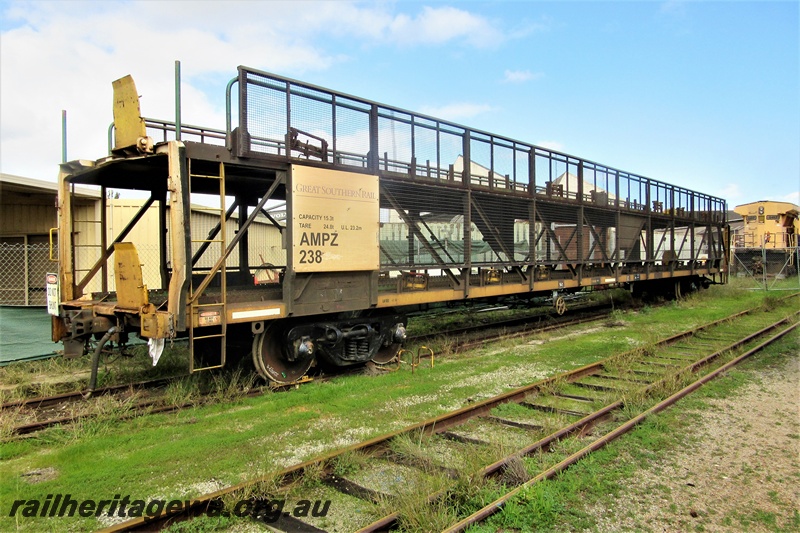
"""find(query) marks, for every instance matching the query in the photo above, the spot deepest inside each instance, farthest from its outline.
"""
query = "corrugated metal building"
(28, 213)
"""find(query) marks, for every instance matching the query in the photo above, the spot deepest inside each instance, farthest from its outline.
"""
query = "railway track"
(434, 460)
(143, 398)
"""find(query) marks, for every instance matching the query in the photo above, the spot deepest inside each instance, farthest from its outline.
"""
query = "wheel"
(270, 362)
(560, 305)
(386, 354)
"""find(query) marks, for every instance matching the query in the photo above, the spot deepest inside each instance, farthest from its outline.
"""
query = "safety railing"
(346, 131)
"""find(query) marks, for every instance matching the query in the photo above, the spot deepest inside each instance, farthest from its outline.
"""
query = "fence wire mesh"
(23, 268)
(768, 268)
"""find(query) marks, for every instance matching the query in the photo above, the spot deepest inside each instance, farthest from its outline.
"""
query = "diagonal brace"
(242, 230)
(416, 231)
(110, 250)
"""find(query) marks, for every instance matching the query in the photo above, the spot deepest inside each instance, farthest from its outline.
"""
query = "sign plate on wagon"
(335, 220)
(52, 294)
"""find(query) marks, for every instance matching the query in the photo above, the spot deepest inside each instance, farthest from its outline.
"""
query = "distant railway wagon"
(386, 211)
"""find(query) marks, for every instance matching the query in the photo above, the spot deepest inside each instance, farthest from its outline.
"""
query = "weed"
(771, 302)
(538, 504)
(230, 386)
(550, 387)
(182, 391)
(349, 463)
(417, 513)
(515, 472)
(312, 476)
(615, 319)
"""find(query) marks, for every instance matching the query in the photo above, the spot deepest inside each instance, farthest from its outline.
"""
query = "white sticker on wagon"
(256, 313)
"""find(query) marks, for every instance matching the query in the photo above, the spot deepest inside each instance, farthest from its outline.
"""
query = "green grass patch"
(178, 455)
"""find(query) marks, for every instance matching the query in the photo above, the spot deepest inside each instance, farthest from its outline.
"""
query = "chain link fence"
(23, 268)
(768, 268)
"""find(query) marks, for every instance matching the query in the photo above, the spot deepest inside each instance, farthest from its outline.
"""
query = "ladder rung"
(207, 368)
(209, 305)
(207, 240)
(209, 176)
(216, 335)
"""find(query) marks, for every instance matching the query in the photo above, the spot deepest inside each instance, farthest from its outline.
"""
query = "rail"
(274, 111)
(364, 134)
(621, 376)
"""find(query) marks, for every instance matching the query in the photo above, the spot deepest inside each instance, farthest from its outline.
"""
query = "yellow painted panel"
(128, 123)
(335, 220)
(131, 291)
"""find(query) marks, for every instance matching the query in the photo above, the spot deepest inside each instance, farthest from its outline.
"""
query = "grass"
(60, 375)
(227, 443)
(566, 502)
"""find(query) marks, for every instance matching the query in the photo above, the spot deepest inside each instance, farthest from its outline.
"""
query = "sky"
(704, 95)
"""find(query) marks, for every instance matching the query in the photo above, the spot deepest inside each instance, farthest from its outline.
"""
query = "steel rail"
(438, 424)
(498, 504)
(57, 399)
(388, 521)
(151, 406)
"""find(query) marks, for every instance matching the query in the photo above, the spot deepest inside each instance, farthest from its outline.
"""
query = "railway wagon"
(365, 190)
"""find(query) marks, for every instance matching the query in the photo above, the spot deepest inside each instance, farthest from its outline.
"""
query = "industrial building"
(27, 230)
(767, 224)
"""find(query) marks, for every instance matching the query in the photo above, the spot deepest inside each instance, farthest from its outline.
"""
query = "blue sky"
(701, 94)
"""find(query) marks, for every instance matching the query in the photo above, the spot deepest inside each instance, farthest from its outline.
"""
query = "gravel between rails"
(740, 471)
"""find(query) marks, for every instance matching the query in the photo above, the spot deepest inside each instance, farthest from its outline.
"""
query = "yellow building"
(767, 224)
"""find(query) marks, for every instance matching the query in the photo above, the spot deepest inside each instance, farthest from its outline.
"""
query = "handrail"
(369, 124)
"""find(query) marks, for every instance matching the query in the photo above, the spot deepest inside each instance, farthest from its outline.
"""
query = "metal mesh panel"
(403, 139)
(521, 169)
(768, 268)
(352, 133)
(266, 119)
(22, 272)
(503, 165)
(480, 152)
(426, 150)
(394, 142)
(451, 147)
(312, 113)
(423, 230)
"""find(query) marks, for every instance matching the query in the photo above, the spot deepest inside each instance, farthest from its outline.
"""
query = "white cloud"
(442, 24)
(673, 7)
(63, 55)
(519, 76)
(456, 111)
(793, 197)
(730, 192)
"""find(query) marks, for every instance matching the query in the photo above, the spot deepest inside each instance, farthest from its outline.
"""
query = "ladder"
(218, 327)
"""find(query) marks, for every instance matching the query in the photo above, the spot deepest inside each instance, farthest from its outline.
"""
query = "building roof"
(733, 216)
(785, 205)
(12, 183)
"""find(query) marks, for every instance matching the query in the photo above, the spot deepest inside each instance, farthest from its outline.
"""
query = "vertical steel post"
(104, 236)
(177, 100)
(63, 135)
